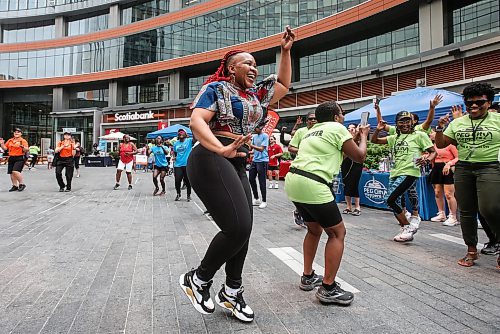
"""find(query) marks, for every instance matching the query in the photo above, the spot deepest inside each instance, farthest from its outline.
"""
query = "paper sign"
(272, 120)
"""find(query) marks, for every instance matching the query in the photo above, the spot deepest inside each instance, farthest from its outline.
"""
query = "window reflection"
(89, 99)
(476, 19)
(88, 24)
(28, 32)
(372, 51)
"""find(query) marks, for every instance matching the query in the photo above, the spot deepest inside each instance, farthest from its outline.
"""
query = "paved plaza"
(102, 261)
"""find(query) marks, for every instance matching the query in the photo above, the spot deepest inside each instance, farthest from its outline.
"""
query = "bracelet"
(439, 129)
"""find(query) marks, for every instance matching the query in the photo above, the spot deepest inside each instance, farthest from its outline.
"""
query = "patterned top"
(236, 111)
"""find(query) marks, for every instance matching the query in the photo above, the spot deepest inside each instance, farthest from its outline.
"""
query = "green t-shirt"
(485, 147)
(418, 127)
(320, 153)
(34, 149)
(297, 137)
(405, 149)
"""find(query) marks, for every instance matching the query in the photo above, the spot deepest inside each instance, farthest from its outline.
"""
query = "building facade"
(95, 66)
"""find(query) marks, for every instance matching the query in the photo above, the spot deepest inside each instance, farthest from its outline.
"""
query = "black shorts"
(161, 169)
(327, 215)
(273, 168)
(437, 176)
(16, 164)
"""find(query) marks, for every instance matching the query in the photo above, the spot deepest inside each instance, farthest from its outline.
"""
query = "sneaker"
(235, 304)
(178, 197)
(334, 296)
(256, 202)
(68, 189)
(129, 187)
(309, 283)
(116, 186)
(415, 221)
(263, 205)
(276, 186)
(491, 249)
(297, 218)
(61, 190)
(406, 234)
(21, 187)
(188, 198)
(198, 295)
(407, 215)
(14, 188)
(397, 237)
(440, 217)
(451, 221)
(271, 186)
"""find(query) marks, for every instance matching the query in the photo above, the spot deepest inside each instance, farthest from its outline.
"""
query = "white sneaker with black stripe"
(235, 304)
(198, 295)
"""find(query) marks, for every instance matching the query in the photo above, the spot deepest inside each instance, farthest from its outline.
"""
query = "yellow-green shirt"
(320, 153)
(485, 147)
(405, 148)
(418, 127)
(297, 137)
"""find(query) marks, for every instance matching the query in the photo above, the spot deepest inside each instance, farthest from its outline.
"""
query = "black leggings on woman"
(397, 187)
(351, 174)
(180, 175)
(222, 185)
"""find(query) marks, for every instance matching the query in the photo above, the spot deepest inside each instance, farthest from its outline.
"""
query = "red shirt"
(126, 158)
(273, 150)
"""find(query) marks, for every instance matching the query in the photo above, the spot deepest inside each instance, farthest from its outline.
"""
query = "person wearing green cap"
(407, 146)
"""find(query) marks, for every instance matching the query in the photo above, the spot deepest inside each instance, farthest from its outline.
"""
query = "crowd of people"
(228, 117)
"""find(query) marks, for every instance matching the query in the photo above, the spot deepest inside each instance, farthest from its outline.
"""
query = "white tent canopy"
(115, 136)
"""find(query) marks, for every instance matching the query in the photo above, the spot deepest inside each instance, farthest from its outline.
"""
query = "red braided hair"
(220, 74)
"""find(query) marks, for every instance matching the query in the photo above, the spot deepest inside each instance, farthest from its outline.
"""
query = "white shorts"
(126, 167)
(50, 158)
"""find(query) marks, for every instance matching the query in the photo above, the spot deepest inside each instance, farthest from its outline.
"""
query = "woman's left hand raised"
(287, 39)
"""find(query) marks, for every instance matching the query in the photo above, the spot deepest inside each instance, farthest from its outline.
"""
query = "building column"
(114, 16)
(97, 126)
(1, 34)
(176, 86)
(431, 24)
(175, 5)
(115, 92)
(61, 27)
(60, 99)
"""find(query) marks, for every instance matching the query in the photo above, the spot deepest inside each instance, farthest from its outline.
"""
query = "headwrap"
(220, 74)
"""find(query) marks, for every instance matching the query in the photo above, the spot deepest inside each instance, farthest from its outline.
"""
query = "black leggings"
(181, 175)
(69, 164)
(397, 187)
(351, 174)
(222, 185)
(258, 169)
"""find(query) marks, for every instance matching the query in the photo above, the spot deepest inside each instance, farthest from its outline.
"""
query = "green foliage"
(374, 154)
(286, 156)
(114, 155)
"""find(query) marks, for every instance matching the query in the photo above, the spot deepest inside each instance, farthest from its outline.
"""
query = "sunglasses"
(479, 103)
(311, 119)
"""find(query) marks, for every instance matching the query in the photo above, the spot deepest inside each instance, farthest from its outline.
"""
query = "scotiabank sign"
(134, 116)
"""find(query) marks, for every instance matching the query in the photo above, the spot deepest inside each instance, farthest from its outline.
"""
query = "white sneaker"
(407, 215)
(407, 234)
(270, 186)
(451, 221)
(397, 237)
(263, 205)
(276, 186)
(256, 202)
(415, 221)
(440, 217)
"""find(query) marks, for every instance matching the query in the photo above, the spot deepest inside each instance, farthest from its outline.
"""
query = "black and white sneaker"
(198, 295)
(309, 283)
(491, 248)
(236, 304)
(335, 295)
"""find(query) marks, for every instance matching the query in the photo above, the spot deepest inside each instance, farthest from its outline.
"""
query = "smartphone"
(364, 118)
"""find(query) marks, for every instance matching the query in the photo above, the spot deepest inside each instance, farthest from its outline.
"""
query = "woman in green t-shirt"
(407, 147)
(477, 172)
(309, 186)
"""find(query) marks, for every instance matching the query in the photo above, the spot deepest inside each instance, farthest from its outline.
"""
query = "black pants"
(492, 238)
(397, 187)
(222, 185)
(351, 174)
(181, 175)
(258, 169)
(77, 162)
(34, 160)
(69, 164)
(477, 189)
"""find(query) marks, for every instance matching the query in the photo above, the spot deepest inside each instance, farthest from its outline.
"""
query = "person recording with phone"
(17, 147)
(67, 151)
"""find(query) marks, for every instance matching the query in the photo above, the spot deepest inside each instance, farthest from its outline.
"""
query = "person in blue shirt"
(182, 148)
(162, 159)
(260, 142)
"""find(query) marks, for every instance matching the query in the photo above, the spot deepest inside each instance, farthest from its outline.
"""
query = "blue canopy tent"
(169, 132)
(415, 101)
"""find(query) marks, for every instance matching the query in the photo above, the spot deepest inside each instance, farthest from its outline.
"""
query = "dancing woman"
(225, 113)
